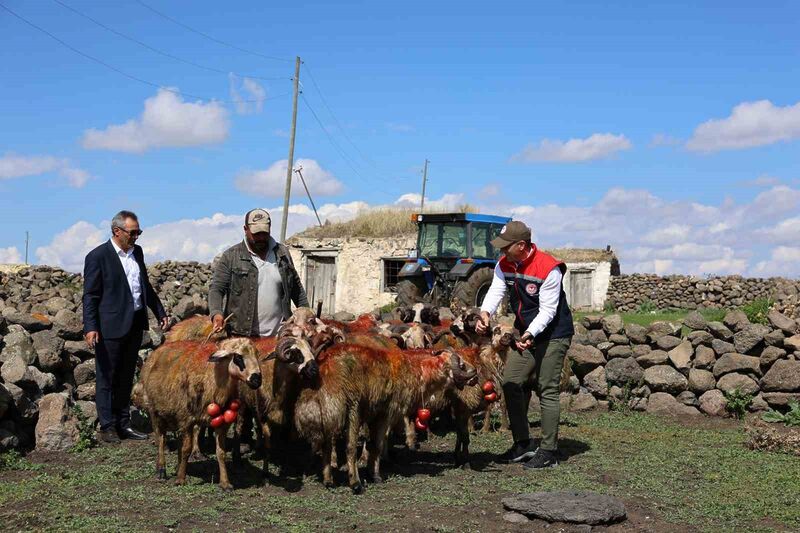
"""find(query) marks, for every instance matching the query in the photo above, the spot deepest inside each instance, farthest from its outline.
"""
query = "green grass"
(703, 477)
(647, 318)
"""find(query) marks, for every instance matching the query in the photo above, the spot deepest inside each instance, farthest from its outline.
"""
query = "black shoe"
(518, 452)
(542, 459)
(132, 434)
(108, 436)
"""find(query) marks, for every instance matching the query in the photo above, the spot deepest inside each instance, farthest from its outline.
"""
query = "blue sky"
(669, 130)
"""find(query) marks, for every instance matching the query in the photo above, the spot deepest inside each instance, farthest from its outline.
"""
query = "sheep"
(179, 383)
(360, 384)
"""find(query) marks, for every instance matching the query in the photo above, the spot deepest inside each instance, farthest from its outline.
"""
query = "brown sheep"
(181, 379)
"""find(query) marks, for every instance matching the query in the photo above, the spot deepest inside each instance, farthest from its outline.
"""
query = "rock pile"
(686, 370)
(629, 292)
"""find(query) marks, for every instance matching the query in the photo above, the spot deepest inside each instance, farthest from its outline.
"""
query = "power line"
(161, 52)
(198, 32)
(127, 75)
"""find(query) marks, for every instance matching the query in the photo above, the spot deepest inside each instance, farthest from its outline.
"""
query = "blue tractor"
(454, 261)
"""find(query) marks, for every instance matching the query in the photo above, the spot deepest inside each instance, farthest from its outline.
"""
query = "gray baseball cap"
(512, 232)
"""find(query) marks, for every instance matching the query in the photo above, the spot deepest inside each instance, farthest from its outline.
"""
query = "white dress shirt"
(549, 293)
(131, 268)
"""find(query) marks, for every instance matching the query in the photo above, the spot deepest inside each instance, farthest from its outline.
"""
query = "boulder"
(749, 337)
(568, 506)
(667, 342)
(704, 357)
(653, 358)
(593, 321)
(597, 336)
(731, 382)
(736, 320)
(190, 306)
(612, 324)
(27, 410)
(622, 371)
(734, 362)
(49, 350)
(84, 372)
(56, 429)
(720, 331)
(79, 349)
(18, 342)
(782, 322)
(695, 321)
(617, 338)
(605, 346)
(344, 316)
(783, 376)
(641, 349)
(701, 381)
(658, 329)
(68, 325)
(780, 399)
(54, 305)
(585, 358)
(620, 351)
(8, 440)
(86, 391)
(698, 338)
(596, 383)
(713, 403)
(583, 401)
(774, 338)
(721, 347)
(664, 378)
(32, 322)
(636, 333)
(758, 404)
(681, 355)
(792, 344)
(6, 400)
(665, 404)
(688, 398)
(769, 355)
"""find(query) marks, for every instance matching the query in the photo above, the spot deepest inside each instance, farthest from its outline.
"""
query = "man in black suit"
(116, 295)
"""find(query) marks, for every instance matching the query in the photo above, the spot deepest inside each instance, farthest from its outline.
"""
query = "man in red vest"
(533, 281)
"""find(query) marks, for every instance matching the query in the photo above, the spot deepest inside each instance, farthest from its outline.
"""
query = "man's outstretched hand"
(482, 326)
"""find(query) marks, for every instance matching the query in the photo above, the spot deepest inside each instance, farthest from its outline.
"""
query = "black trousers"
(115, 367)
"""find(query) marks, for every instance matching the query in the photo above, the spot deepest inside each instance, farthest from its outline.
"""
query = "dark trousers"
(115, 367)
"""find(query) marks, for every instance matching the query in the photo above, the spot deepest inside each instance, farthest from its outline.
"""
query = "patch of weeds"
(623, 403)
(757, 310)
(86, 436)
(13, 460)
(737, 402)
(790, 418)
(647, 307)
(609, 307)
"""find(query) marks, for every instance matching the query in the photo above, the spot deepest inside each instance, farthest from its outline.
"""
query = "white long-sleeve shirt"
(132, 273)
(549, 294)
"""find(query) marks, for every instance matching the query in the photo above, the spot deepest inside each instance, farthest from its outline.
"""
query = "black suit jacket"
(107, 300)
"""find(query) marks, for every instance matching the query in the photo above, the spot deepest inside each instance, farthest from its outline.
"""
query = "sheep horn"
(283, 345)
(401, 342)
(436, 338)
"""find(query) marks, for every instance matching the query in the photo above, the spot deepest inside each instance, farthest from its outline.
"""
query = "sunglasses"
(133, 232)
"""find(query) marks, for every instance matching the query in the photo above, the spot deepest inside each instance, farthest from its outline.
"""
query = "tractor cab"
(453, 261)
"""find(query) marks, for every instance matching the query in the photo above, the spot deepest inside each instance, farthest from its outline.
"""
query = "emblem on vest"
(531, 289)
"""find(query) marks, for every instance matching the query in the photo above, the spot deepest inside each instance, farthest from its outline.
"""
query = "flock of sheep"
(324, 381)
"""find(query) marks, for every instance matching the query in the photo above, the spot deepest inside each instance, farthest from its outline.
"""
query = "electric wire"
(161, 52)
(131, 76)
(209, 37)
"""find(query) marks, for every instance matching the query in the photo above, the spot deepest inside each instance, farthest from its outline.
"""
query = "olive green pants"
(539, 368)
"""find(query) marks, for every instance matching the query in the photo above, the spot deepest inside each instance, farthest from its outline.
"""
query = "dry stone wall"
(660, 370)
(629, 292)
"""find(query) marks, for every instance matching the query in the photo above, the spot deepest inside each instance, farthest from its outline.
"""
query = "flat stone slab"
(568, 506)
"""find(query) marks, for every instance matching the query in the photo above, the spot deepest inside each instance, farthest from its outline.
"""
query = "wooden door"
(321, 282)
(580, 289)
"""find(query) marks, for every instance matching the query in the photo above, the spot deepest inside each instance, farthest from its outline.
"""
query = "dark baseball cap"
(512, 232)
(257, 220)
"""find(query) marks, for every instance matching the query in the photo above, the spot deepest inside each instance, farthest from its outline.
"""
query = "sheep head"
(461, 372)
(241, 357)
(298, 355)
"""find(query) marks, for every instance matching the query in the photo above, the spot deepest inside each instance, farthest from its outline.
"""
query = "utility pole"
(299, 171)
(424, 179)
(27, 238)
(290, 162)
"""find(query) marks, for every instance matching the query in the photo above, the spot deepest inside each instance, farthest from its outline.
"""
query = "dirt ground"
(634, 457)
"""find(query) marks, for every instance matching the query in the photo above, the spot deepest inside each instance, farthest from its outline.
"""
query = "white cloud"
(761, 181)
(786, 231)
(783, 262)
(252, 101)
(447, 202)
(16, 166)
(597, 146)
(490, 191)
(167, 121)
(68, 248)
(750, 124)
(10, 255)
(672, 234)
(272, 181)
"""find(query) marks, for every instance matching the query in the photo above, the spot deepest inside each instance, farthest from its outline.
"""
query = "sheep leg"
(236, 452)
(462, 440)
(183, 456)
(354, 423)
(266, 444)
(376, 445)
(224, 482)
(328, 452)
(504, 425)
(411, 434)
(196, 455)
(487, 419)
(161, 438)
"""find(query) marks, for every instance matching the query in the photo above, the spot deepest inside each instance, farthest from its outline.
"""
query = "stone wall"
(358, 267)
(627, 293)
(658, 370)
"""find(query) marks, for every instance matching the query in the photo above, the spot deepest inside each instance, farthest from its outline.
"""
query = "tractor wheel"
(471, 291)
(408, 293)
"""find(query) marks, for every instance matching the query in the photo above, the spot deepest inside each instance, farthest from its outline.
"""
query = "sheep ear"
(219, 355)
(273, 355)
